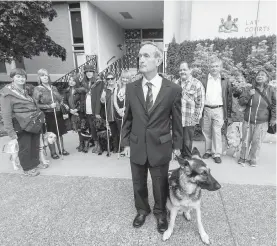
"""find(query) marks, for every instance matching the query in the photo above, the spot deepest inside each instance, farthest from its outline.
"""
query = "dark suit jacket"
(148, 134)
(226, 96)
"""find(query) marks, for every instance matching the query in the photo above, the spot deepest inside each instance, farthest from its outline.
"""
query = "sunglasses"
(110, 78)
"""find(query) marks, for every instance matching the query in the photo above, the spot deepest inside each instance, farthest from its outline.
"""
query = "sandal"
(55, 156)
(122, 154)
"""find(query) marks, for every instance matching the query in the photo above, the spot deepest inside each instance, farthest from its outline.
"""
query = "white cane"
(118, 154)
(56, 123)
(108, 136)
(247, 133)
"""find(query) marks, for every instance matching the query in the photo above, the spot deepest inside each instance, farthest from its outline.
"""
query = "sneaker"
(207, 155)
(217, 160)
(241, 162)
(252, 163)
(43, 166)
(31, 173)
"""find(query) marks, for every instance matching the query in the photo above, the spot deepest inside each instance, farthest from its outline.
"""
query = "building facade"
(112, 29)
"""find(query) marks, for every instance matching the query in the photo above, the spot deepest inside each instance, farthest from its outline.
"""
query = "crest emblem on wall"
(229, 25)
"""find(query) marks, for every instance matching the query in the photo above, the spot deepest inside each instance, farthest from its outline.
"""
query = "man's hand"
(127, 151)
(272, 122)
(98, 116)
(177, 152)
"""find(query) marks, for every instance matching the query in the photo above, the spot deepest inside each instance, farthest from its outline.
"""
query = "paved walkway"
(87, 200)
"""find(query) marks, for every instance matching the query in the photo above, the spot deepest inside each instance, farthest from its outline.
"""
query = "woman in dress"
(43, 95)
(119, 98)
(72, 98)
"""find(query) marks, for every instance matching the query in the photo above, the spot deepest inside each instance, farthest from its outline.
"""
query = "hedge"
(241, 49)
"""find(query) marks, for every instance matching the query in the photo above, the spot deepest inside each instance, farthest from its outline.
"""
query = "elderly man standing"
(151, 102)
(216, 110)
(193, 98)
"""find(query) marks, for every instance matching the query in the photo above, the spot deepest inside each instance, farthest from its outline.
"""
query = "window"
(3, 67)
(74, 5)
(76, 23)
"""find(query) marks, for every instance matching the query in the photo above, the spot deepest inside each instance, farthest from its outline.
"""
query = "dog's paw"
(187, 216)
(205, 238)
(224, 152)
(167, 234)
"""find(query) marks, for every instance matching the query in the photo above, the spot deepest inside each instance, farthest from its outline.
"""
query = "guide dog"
(45, 139)
(185, 184)
(86, 135)
(101, 129)
(233, 139)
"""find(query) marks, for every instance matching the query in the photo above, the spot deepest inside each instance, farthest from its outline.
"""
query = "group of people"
(86, 100)
(153, 116)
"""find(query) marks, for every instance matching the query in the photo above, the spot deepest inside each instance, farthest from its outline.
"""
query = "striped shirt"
(193, 99)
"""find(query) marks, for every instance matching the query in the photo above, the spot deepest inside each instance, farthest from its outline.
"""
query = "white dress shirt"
(214, 91)
(156, 86)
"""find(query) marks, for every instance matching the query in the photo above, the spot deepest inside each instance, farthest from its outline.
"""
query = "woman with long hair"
(119, 97)
(257, 116)
(72, 98)
(43, 95)
(17, 108)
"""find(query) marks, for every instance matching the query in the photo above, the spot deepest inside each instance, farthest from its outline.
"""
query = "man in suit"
(217, 110)
(151, 103)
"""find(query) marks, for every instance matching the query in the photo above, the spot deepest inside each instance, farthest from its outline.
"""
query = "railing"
(62, 82)
(117, 67)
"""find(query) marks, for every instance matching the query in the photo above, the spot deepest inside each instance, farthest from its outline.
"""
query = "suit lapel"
(160, 95)
(139, 92)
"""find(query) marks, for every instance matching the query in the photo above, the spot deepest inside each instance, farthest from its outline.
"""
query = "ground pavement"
(86, 199)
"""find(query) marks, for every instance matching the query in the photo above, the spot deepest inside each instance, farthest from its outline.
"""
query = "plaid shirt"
(193, 99)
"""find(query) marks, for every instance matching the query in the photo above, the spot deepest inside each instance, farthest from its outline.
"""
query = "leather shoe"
(162, 225)
(217, 160)
(207, 156)
(139, 220)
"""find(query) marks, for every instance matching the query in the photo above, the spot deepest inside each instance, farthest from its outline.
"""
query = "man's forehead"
(147, 48)
(184, 66)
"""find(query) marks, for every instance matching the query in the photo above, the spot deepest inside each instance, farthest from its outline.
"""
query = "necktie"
(149, 96)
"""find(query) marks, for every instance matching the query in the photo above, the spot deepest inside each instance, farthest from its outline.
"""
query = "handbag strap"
(264, 97)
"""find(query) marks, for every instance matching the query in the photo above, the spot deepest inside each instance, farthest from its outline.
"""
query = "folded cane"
(55, 114)
(108, 136)
(118, 154)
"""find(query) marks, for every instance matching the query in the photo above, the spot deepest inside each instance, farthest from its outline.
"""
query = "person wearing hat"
(90, 101)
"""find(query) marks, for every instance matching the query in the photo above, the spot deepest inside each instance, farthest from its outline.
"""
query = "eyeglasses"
(110, 78)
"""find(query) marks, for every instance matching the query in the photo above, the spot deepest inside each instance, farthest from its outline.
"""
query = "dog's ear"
(195, 153)
(183, 162)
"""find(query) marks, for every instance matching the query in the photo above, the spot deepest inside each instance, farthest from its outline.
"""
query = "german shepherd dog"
(185, 184)
(85, 135)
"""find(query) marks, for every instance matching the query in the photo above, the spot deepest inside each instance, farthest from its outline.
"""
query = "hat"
(88, 68)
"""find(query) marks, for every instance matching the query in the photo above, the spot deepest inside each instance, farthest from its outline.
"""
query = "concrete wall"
(59, 31)
(101, 34)
(172, 12)
(206, 18)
